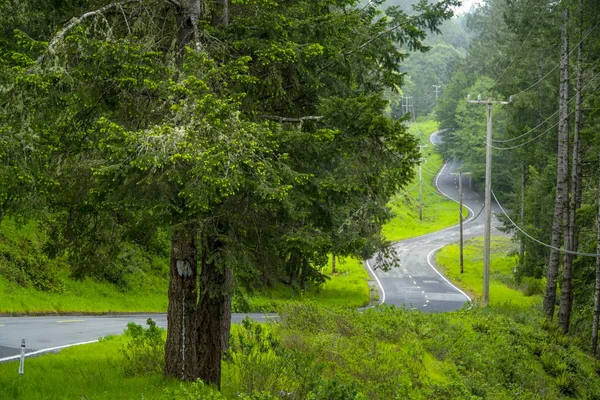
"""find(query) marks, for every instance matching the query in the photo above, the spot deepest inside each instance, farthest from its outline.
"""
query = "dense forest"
(543, 57)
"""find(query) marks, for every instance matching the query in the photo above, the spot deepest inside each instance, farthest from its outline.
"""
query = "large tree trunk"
(596, 319)
(187, 25)
(522, 216)
(576, 191)
(562, 174)
(182, 343)
(220, 13)
(215, 292)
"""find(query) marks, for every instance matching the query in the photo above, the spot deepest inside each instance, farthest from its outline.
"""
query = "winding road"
(416, 284)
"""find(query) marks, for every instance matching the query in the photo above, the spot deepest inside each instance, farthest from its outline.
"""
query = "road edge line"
(443, 277)
(33, 353)
(377, 280)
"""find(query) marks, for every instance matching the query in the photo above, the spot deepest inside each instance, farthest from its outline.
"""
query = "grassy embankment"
(503, 287)
(438, 211)
(146, 288)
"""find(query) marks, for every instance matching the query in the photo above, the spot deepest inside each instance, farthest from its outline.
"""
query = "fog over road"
(416, 284)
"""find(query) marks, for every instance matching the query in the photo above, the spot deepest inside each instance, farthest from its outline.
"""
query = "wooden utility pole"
(488, 194)
(436, 87)
(421, 184)
(460, 208)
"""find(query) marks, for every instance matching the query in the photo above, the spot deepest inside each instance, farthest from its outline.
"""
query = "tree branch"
(174, 2)
(296, 120)
(76, 21)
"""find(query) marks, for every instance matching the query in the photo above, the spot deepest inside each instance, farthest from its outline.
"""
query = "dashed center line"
(68, 321)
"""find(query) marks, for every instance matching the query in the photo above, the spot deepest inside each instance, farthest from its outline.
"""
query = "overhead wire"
(557, 65)
(575, 253)
(536, 137)
(546, 120)
(518, 51)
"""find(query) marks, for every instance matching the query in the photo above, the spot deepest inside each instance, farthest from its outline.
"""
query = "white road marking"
(68, 321)
(378, 282)
(443, 277)
(45, 350)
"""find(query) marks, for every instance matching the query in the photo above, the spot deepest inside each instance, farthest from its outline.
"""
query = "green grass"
(91, 371)
(438, 211)
(20, 253)
(85, 296)
(347, 288)
(497, 352)
(503, 287)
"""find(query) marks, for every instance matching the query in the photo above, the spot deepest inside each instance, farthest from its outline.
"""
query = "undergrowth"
(498, 352)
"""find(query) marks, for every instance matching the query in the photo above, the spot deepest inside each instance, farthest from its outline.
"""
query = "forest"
(213, 150)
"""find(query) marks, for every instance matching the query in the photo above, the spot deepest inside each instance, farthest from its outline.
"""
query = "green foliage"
(22, 261)
(144, 354)
(495, 352)
(504, 287)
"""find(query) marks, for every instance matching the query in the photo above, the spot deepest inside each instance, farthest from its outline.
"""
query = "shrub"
(144, 354)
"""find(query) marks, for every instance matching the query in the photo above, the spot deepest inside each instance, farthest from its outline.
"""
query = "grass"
(503, 287)
(24, 267)
(87, 296)
(438, 211)
(347, 288)
(91, 371)
(319, 353)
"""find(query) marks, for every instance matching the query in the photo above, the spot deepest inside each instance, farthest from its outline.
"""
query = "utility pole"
(420, 193)
(421, 184)
(460, 198)
(436, 87)
(461, 219)
(487, 215)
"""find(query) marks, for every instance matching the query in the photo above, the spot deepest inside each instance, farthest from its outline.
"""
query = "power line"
(575, 253)
(546, 120)
(518, 51)
(557, 65)
(536, 137)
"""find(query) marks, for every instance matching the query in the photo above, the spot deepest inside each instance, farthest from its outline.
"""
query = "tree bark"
(333, 271)
(181, 315)
(562, 175)
(522, 216)
(220, 13)
(596, 318)
(576, 189)
(212, 311)
(187, 25)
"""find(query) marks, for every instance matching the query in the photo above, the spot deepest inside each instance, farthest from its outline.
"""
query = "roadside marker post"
(22, 363)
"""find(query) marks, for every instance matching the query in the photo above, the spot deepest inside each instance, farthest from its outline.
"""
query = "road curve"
(416, 284)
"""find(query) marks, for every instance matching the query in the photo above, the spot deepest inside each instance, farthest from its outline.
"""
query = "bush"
(144, 354)
(532, 286)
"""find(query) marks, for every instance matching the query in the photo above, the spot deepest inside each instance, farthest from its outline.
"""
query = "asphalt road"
(50, 334)
(416, 284)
